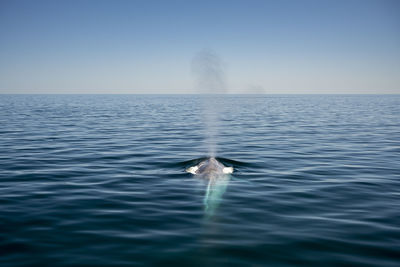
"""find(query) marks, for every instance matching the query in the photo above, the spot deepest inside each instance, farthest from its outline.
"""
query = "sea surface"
(100, 180)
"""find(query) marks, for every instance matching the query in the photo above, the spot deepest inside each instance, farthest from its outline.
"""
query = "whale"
(210, 168)
(217, 175)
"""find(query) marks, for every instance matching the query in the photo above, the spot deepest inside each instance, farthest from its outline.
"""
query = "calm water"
(100, 180)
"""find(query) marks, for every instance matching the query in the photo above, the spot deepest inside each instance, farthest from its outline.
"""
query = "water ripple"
(100, 180)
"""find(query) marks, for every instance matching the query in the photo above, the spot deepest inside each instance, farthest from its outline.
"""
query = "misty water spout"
(208, 71)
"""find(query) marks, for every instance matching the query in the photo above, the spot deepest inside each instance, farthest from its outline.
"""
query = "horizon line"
(199, 94)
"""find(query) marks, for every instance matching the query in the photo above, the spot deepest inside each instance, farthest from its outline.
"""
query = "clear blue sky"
(148, 46)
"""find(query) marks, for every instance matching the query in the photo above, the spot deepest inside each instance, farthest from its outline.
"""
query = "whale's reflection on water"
(218, 177)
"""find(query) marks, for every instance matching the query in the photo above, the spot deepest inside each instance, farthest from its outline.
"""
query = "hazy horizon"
(147, 47)
(204, 94)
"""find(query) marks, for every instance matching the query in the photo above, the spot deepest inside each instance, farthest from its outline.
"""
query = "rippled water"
(100, 180)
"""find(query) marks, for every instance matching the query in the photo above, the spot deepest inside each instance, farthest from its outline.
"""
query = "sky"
(273, 47)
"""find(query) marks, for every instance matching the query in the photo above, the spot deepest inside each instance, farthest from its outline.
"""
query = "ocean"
(100, 180)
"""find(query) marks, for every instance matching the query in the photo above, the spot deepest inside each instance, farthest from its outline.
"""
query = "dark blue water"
(100, 180)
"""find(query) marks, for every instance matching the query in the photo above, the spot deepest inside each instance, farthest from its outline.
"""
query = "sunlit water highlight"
(100, 180)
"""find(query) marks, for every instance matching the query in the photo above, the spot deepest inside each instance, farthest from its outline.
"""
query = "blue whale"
(218, 177)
